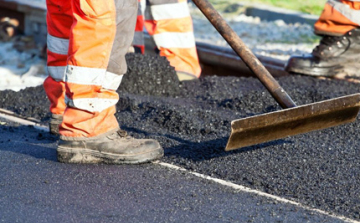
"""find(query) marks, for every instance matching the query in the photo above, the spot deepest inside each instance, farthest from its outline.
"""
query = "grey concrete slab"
(269, 13)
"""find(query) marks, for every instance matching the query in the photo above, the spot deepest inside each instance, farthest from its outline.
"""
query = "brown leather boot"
(329, 57)
(114, 147)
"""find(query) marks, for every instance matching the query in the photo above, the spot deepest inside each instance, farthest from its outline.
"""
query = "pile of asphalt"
(192, 122)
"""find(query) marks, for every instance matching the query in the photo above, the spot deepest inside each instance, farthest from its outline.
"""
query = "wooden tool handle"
(245, 54)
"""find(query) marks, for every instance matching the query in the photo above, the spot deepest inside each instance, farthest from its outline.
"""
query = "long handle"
(245, 54)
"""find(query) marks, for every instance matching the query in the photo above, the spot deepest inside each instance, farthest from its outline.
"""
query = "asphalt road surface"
(318, 171)
(34, 187)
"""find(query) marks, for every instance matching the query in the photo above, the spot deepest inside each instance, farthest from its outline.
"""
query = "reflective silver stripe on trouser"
(345, 10)
(91, 104)
(142, 6)
(161, 2)
(170, 11)
(166, 9)
(175, 40)
(92, 76)
(58, 46)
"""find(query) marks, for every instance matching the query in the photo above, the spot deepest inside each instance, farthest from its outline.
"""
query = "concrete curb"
(272, 13)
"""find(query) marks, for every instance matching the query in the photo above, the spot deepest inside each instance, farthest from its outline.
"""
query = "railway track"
(215, 60)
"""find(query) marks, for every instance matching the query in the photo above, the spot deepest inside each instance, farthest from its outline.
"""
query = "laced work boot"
(54, 123)
(329, 57)
(114, 147)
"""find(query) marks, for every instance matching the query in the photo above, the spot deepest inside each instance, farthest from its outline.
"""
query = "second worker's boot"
(54, 124)
(330, 57)
(114, 147)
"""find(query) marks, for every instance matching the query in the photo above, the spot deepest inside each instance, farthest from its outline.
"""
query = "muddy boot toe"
(54, 124)
(114, 147)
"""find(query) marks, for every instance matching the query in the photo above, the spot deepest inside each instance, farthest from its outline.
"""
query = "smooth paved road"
(34, 187)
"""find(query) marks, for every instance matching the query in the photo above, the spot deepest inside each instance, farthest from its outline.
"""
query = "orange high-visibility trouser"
(170, 25)
(87, 42)
(338, 17)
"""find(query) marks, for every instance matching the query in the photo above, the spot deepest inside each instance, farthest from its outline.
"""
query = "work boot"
(114, 147)
(54, 124)
(330, 57)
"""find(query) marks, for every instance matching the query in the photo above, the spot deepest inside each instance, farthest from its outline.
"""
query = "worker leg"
(99, 39)
(59, 20)
(339, 48)
(138, 42)
(170, 24)
(90, 107)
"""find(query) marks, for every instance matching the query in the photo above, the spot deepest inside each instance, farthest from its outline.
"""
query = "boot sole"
(81, 155)
(320, 71)
(317, 72)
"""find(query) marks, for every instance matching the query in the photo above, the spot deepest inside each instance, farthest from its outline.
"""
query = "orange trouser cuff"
(79, 123)
(55, 92)
(333, 22)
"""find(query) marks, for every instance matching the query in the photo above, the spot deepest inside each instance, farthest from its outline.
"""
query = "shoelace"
(122, 133)
(328, 41)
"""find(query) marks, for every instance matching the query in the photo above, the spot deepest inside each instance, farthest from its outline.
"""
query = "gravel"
(276, 39)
